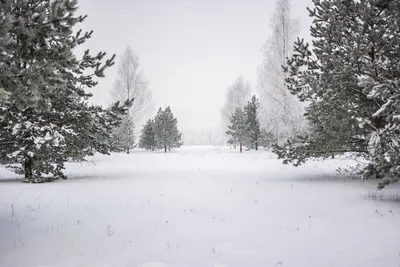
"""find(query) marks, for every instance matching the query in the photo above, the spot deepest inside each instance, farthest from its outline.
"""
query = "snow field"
(197, 207)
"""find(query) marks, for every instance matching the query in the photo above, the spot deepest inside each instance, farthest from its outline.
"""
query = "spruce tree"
(166, 130)
(45, 118)
(350, 78)
(147, 137)
(238, 127)
(253, 123)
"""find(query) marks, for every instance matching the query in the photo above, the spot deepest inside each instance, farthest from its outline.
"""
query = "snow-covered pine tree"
(351, 78)
(147, 137)
(237, 130)
(253, 123)
(45, 117)
(166, 130)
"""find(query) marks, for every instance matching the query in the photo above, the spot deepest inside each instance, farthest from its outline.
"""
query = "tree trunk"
(28, 168)
(165, 148)
(59, 173)
(256, 145)
(241, 150)
(127, 150)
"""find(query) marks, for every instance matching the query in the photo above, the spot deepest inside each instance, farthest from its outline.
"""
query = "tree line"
(337, 95)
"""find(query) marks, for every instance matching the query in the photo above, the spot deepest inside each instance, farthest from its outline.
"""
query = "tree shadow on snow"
(324, 178)
(11, 180)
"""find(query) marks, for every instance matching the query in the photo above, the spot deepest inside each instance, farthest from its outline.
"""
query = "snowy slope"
(197, 207)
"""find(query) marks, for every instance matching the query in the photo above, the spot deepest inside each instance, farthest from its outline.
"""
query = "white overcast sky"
(190, 50)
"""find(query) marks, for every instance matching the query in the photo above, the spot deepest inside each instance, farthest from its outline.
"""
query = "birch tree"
(281, 112)
(130, 84)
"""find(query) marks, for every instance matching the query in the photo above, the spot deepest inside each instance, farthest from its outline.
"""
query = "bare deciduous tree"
(281, 111)
(130, 84)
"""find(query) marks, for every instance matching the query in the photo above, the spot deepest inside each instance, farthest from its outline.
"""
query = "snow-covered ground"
(198, 207)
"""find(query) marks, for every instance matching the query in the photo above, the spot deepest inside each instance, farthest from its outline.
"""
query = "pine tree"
(147, 138)
(45, 118)
(253, 123)
(351, 79)
(238, 128)
(166, 130)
